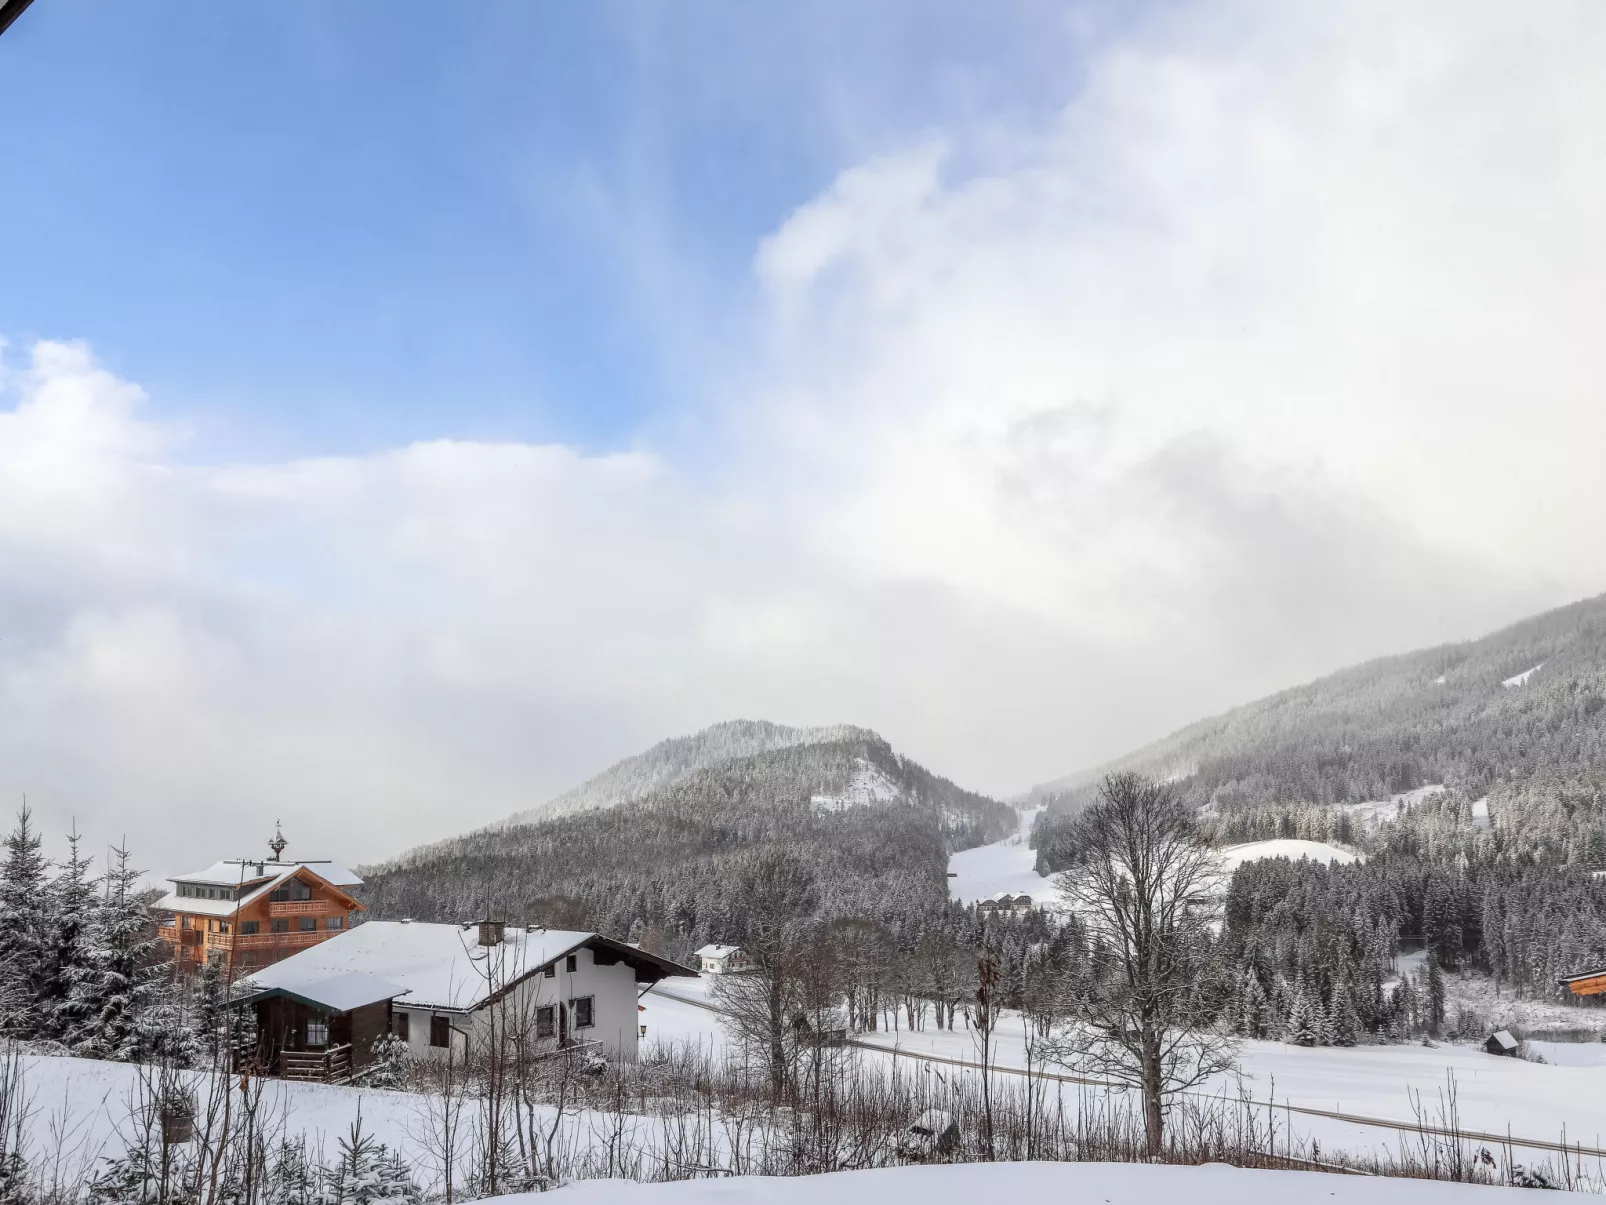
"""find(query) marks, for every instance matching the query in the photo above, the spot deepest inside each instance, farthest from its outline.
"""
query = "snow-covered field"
(1563, 1099)
(1033, 1184)
(1006, 865)
(1235, 856)
(1566, 1095)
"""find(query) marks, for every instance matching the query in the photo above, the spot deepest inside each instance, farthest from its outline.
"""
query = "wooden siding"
(205, 938)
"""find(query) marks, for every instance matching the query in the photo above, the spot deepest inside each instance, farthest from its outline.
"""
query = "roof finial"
(278, 843)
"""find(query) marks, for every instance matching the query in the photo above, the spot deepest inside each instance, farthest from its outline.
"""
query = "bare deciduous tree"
(1146, 884)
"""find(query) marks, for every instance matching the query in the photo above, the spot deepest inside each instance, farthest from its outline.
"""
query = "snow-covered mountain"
(661, 840)
(680, 757)
(1527, 700)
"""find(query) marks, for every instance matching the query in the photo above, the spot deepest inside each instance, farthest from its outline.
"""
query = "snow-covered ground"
(1386, 1083)
(868, 785)
(1033, 1184)
(1007, 865)
(1522, 678)
(1235, 856)
(1372, 811)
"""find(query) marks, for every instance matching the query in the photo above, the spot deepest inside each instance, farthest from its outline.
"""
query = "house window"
(250, 926)
(308, 923)
(336, 922)
(281, 924)
(317, 1031)
(546, 1021)
(550, 970)
(571, 962)
(295, 889)
(440, 1031)
(223, 926)
(400, 1025)
(582, 1012)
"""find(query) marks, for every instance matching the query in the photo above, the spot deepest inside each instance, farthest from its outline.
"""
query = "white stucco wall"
(614, 1015)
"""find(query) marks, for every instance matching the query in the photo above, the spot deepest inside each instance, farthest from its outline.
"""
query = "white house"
(1006, 901)
(716, 959)
(448, 981)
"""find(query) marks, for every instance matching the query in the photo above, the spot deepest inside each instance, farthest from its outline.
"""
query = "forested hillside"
(1526, 700)
(873, 829)
(680, 757)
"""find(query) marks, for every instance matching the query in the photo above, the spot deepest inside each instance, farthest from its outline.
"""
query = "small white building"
(449, 981)
(715, 959)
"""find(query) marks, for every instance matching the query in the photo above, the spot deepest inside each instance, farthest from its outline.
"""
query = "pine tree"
(1302, 1023)
(70, 902)
(366, 1173)
(117, 999)
(1433, 994)
(22, 927)
(209, 1012)
(293, 1180)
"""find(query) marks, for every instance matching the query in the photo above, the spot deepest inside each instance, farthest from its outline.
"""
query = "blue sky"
(311, 229)
(408, 410)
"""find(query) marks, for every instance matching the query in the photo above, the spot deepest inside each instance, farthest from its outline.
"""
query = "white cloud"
(1274, 350)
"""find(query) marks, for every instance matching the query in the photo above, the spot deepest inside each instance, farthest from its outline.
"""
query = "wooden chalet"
(315, 1026)
(444, 989)
(245, 914)
(1589, 983)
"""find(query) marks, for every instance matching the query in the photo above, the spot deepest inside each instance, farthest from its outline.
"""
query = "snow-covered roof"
(1503, 1038)
(714, 950)
(339, 993)
(444, 966)
(232, 872)
(174, 902)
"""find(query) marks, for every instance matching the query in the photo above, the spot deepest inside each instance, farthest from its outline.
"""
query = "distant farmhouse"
(244, 914)
(439, 987)
(1006, 903)
(721, 960)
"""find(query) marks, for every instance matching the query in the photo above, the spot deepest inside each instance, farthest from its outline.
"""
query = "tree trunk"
(1153, 1116)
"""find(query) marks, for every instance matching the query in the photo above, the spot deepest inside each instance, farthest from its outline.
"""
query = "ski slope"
(1007, 865)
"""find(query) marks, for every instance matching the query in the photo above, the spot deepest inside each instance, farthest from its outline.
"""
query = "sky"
(407, 412)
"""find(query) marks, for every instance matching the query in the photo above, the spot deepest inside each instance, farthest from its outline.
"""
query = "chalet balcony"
(297, 907)
(255, 941)
(180, 937)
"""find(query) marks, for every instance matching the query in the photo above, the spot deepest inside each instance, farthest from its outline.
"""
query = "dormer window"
(295, 889)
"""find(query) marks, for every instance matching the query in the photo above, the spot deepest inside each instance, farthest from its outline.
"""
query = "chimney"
(491, 932)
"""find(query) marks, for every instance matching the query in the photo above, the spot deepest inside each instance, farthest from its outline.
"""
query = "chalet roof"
(443, 966)
(338, 993)
(174, 902)
(715, 950)
(232, 872)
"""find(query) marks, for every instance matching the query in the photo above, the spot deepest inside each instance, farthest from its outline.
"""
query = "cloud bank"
(1274, 350)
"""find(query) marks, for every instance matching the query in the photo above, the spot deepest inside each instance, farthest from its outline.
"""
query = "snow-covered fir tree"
(121, 1009)
(23, 927)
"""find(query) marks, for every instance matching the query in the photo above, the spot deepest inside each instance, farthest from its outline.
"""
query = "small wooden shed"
(1501, 1042)
(321, 1028)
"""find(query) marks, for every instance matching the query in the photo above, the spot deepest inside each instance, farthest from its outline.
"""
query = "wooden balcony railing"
(179, 937)
(297, 907)
(295, 937)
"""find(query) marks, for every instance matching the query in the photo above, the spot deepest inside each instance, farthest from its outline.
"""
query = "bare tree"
(761, 1006)
(1147, 886)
